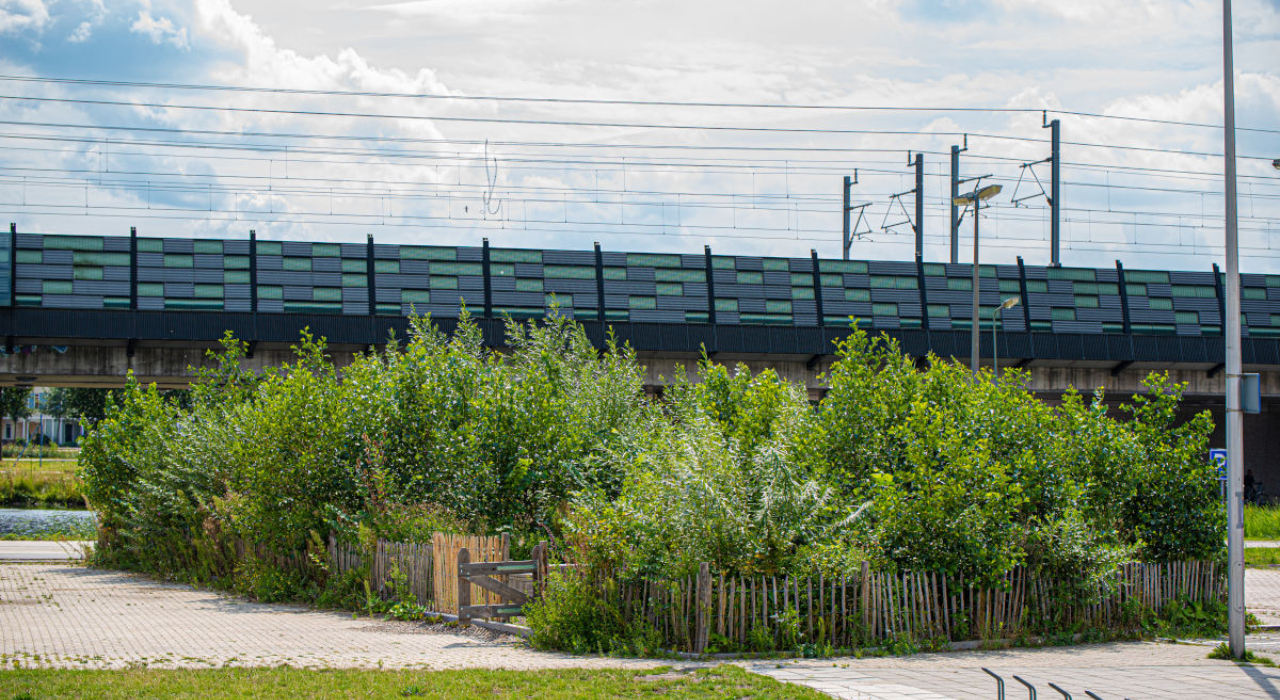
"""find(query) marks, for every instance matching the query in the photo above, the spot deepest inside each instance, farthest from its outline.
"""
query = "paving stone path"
(70, 616)
(1134, 670)
(63, 615)
(42, 550)
(1262, 594)
(1126, 670)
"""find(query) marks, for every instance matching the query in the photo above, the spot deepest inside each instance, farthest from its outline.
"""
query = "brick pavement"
(1262, 594)
(1155, 671)
(69, 616)
(42, 550)
(1125, 670)
(66, 616)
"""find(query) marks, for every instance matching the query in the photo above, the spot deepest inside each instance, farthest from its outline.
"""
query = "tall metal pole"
(1235, 418)
(1055, 189)
(974, 349)
(920, 206)
(955, 192)
(13, 264)
(845, 243)
(995, 354)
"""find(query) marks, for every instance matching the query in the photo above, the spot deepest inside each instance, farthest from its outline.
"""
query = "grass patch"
(565, 684)
(48, 483)
(1259, 557)
(15, 449)
(1261, 522)
(49, 488)
(66, 467)
(1223, 652)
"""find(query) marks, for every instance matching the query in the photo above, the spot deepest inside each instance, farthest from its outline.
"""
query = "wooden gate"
(445, 548)
(500, 579)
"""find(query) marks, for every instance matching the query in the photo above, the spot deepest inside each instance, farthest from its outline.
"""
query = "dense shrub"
(437, 434)
(912, 468)
(918, 469)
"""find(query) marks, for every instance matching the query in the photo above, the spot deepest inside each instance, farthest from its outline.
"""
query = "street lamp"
(1231, 329)
(995, 354)
(975, 198)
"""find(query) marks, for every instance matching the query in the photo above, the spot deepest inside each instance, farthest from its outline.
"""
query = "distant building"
(64, 431)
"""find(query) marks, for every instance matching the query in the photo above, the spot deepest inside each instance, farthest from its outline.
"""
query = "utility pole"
(1235, 417)
(1055, 190)
(919, 206)
(850, 229)
(955, 192)
(975, 344)
(846, 242)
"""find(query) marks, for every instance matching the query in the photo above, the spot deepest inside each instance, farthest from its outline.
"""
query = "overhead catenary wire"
(692, 225)
(686, 200)
(309, 157)
(613, 125)
(616, 102)
(792, 167)
(587, 145)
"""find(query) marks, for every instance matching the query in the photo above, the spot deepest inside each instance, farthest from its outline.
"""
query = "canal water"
(17, 523)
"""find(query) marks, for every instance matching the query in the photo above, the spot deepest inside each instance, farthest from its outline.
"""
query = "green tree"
(77, 403)
(14, 403)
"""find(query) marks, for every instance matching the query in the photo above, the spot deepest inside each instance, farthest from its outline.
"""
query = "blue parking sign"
(1219, 457)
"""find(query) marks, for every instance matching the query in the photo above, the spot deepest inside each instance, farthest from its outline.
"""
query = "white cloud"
(468, 11)
(1143, 59)
(160, 30)
(22, 15)
(82, 33)
(264, 62)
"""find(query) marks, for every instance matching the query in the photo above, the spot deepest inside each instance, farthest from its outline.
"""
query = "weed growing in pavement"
(1222, 652)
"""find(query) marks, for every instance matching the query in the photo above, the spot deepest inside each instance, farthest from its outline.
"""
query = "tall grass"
(34, 451)
(40, 489)
(26, 466)
(1261, 522)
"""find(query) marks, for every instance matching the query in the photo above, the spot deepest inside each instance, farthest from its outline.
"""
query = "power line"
(678, 224)
(640, 163)
(618, 102)
(513, 192)
(612, 125)
(424, 141)
(642, 166)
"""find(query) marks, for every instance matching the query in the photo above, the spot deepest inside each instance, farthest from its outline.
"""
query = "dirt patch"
(675, 674)
(479, 634)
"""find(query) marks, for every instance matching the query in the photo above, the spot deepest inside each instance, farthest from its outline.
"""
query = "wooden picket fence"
(866, 610)
(411, 559)
(241, 550)
(431, 569)
(480, 549)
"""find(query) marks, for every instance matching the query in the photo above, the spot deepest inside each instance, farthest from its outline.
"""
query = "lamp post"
(1231, 329)
(995, 353)
(975, 198)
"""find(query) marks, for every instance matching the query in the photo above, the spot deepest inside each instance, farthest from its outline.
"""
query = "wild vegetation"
(1261, 522)
(26, 486)
(908, 468)
(37, 480)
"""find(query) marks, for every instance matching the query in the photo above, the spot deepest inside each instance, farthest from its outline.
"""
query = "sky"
(99, 158)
